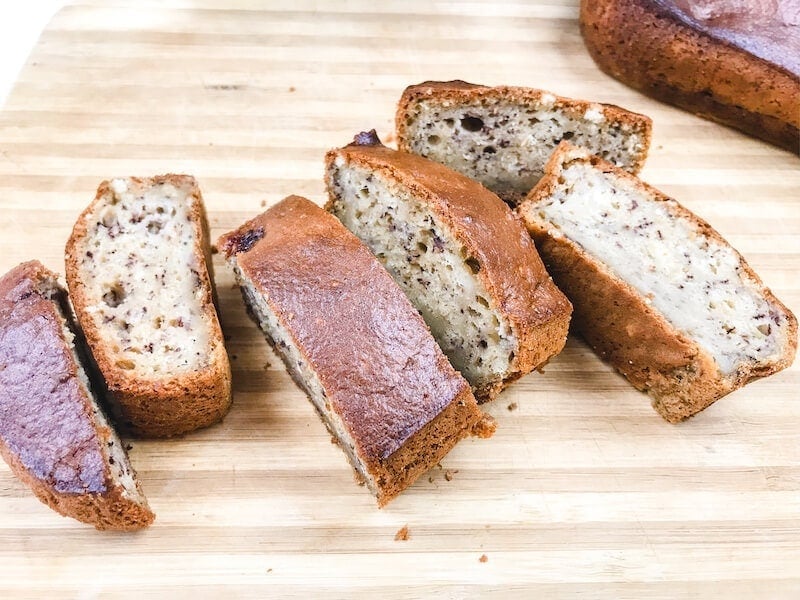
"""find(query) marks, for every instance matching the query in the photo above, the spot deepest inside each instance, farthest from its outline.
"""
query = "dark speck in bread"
(243, 241)
(367, 138)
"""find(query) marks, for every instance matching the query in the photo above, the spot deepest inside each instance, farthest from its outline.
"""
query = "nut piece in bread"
(53, 433)
(459, 253)
(138, 267)
(657, 292)
(502, 136)
(737, 63)
(353, 342)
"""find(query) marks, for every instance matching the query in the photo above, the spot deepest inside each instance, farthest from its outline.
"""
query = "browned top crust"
(764, 28)
(461, 92)
(458, 89)
(45, 417)
(380, 367)
(508, 263)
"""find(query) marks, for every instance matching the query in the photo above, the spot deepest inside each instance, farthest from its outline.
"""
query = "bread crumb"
(512, 406)
(234, 356)
(448, 475)
(128, 447)
(267, 366)
(430, 479)
(269, 570)
(483, 558)
(388, 138)
(402, 534)
(292, 88)
(214, 249)
(263, 203)
(486, 427)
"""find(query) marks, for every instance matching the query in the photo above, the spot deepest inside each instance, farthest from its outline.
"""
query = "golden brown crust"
(49, 435)
(460, 92)
(168, 406)
(510, 267)
(401, 402)
(649, 46)
(621, 326)
(431, 444)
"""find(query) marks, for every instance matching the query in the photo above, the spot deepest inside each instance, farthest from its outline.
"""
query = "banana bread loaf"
(736, 62)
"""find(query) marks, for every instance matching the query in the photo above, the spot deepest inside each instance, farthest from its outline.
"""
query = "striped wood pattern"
(584, 490)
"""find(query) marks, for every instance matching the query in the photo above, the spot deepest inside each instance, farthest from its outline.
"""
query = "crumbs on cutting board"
(512, 406)
(402, 534)
(483, 558)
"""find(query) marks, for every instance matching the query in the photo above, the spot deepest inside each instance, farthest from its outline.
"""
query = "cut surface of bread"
(461, 256)
(503, 136)
(657, 292)
(737, 63)
(353, 342)
(137, 269)
(53, 433)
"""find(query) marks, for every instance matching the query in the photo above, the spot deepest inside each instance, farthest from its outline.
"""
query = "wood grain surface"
(584, 491)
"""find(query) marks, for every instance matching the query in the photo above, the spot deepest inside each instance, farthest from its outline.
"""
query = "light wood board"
(584, 490)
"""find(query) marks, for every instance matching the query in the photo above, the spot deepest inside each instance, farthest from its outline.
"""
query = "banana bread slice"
(53, 433)
(657, 292)
(502, 136)
(138, 271)
(461, 256)
(353, 342)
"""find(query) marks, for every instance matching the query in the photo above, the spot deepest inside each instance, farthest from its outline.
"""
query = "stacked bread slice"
(503, 136)
(657, 291)
(457, 250)
(138, 271)
(353, 342)
(53, 431)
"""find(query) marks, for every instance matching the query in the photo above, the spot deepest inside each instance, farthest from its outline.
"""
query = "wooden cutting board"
(584, 490)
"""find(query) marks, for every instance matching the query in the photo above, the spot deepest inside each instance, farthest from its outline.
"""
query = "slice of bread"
(459, 253)
(353, 342)
(503, 136)
(657, 292)
(53, 433)
(138, 271)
